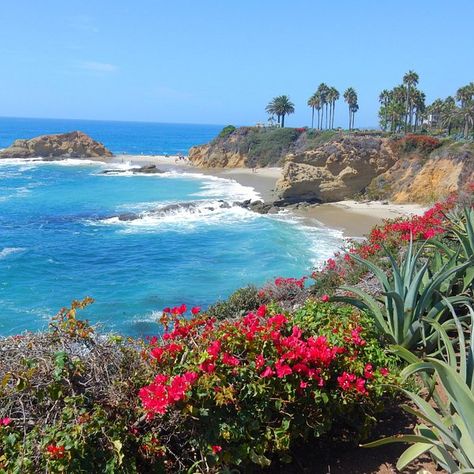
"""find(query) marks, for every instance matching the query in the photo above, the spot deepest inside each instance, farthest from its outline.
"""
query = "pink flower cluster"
(267, 344)
(165, 390)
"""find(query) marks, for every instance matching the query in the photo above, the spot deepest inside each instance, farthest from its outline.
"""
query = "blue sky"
(210, 61)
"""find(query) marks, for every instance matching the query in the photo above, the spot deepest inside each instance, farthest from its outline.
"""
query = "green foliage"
(411, 297)
(226, 131)
(316, 138)
(269, 146)
(262, 383)
(447, 429)
(237, 304)
(68, 402)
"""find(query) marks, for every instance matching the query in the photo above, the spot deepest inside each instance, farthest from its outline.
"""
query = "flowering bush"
(248, 389)
(393, 234)
(421, 143)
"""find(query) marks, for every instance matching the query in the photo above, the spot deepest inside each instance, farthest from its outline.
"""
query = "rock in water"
(65, 145)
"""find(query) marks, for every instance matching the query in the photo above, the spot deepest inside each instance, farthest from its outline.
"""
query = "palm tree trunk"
(326, 115)
(350, 117)
(333, 113)
(283, 121)
(312, 117)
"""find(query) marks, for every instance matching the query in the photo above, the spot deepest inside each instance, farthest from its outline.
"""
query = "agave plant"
(411, 298)
(447, 431)
(461, 227)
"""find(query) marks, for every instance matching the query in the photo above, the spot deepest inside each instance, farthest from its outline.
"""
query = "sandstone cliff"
(247, 147)
(422, 178)
(65, 145)
(336, 170)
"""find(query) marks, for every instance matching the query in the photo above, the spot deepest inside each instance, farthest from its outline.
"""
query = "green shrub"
(226, 131)
(247, 390)
(237, 304)
(269, 146)
(68, 402)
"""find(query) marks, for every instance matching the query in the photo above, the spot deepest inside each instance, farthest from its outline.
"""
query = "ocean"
(135, 243)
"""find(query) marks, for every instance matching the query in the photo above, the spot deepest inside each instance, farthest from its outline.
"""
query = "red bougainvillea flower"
(208, 366)
(282, 370)
(216, 449)
(356, 339)
(228, 359)
(268, 372)
(384, 371)
(55, 451)
(346, 380)
(167, 310)
(5, 421)
(214, 348)
(259, 361)
(195, 310)
(261, 311)
(368, 371)
(325, 298)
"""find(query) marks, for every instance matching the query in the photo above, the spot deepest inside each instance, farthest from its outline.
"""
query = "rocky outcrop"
(147, 169)
(65, 145)
(425, 179)
(336, 170)
(209, 156)
(247, 147)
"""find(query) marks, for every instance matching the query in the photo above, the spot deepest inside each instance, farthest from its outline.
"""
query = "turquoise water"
(136, 244)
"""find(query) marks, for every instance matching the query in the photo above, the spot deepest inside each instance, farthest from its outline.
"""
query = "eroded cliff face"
(66, 145)
(336, 170)
(424, 179)
(333, 165)
(208, 156)
(247, 147)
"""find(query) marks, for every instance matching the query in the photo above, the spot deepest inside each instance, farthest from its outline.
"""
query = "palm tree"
(322, 91)
(410, 79)
(354, 108)
(384, 99)
(280, 106)
(350, 97)
(466, 117)
(333, 97)
(315, 103)
(419, 106)
(271, 109)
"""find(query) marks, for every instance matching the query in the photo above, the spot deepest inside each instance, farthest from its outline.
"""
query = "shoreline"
(353, 218)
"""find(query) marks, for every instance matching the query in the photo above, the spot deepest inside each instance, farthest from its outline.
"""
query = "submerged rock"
(66, 145)
(147, 169)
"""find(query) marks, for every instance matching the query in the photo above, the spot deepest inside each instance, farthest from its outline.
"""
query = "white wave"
(31, 162)
(212, 186)
(184, 217)
(10, 250)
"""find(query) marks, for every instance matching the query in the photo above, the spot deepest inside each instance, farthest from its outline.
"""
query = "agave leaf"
(458, 392)
(435, 283)
(397, 439)
(379, 273)
(411, 453)
(368, 303)
(398, 316)
(414, 290)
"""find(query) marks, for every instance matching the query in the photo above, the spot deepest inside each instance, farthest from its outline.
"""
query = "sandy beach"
(353, 218)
